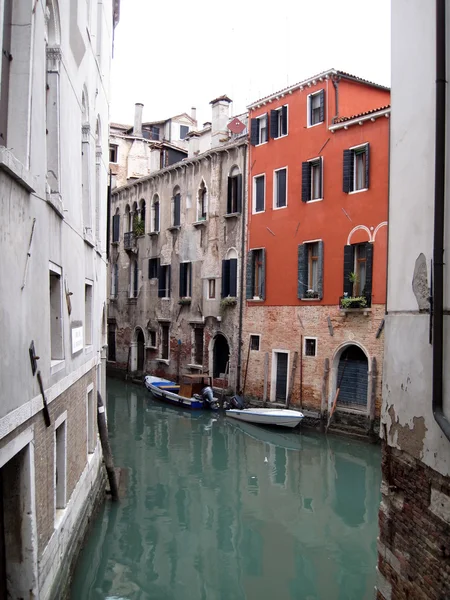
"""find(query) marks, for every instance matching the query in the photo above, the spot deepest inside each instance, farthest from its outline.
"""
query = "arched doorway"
(352, 378)
(140, 349)
(221, 355)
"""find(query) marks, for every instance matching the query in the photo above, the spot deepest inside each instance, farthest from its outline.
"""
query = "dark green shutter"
(169, 283)
(349, 267)
(233, 277)
(230, 195)
(249, 276)
(284, 122)
(135, 279)
(225, 278)
(367, 291)
(302, 270)
(274, 124)
(177, 210)
(116, 228)
(266, 116)
(150, 268)
(239, 193)
(306, 181)
(281, 188)
(183, 280)
(259, 191)
(347, 183)
(191, 266)
(367, 165)
(156, 223)
(262, 291)
(254, 132)
(322, 105)
(161, 281)
(116, 278)
(320, 267)
(321, 178)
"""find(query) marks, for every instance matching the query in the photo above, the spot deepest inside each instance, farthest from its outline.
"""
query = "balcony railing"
(129, 240)
(355, 302)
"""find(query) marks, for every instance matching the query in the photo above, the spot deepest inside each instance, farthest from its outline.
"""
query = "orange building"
(317, 242)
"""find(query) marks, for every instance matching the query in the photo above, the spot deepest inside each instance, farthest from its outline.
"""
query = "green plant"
(138, 226)
(184, 301)
(228, 301)
(353, 302)
(311, 294)
(353, 277)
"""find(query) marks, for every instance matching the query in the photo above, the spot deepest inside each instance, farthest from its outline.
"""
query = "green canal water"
(217, 510)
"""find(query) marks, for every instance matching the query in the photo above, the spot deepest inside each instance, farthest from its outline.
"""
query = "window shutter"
(284, 126)
(116, 280)
(347, 183)
(161, 281)
(349, 267)
(254, 132)
(169, 280)
(262, 293)
(233, 277)
(322, 105)
(116, 228)
(281, 176)
(150, 268)
(321, 177)
(367, 165)
(183, 280)
(320, 270)
(225, 278)
(135, 279)
(274, 124)
(177, 212)
(302, 270)
(249, 276)
(369, 264)
(239, 193)
(190, 279)
(266, 116)
(230, 195)
(156, 216)
(306, 181)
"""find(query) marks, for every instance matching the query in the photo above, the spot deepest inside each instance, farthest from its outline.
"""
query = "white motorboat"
(283, 417)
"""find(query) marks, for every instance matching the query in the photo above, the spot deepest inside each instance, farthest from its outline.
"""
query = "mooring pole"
(107, 454)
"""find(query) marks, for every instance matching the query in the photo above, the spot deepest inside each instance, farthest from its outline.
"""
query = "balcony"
(350, 304)
(129, 240)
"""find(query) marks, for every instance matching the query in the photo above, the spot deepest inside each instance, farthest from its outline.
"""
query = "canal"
(215, 510)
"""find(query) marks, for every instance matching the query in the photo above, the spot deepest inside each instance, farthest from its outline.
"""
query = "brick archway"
(354, 355)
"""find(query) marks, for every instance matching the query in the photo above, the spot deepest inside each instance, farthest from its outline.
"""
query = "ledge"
(14, 168)
(200, 223)
(89, 239)
(174, 228)
(196, 367)
(310, 299)
(256, 300)
(151, 347)
(153, 233)
(164, 361)
(57, 365)
(232, 215)
(55, 201)
(364, 311)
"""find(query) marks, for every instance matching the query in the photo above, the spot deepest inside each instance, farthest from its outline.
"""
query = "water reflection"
(217, 509)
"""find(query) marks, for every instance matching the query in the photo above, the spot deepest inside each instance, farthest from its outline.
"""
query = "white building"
(414, 543)
(54, 109)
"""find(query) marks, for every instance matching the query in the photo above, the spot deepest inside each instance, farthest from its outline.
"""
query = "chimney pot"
(194, 114)
(137, 129)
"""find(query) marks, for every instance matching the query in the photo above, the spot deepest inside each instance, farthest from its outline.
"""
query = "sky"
(173, 55)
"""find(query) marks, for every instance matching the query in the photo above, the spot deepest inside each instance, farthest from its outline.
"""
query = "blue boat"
(194, 392)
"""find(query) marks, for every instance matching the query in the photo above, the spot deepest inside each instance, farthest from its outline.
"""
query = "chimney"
(193, 138)
(137, 129)
(194, 114)
(220, 118)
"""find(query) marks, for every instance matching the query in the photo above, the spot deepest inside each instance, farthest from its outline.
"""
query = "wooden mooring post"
(266, 376)
(292, 379)
(107, 454)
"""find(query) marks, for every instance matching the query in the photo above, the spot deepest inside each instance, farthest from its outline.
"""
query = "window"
(310, 270)
(259, 130)
(56, 331)
(165, 341)
(211, 289)
(155, 214)
(152, 338)
(5, 38)
(198, 345)
(164, 281)
(310, 346)
(316, 108)
(116, 227)
(185, 280)
(60, 465)
(88, 314)
(176, 209)
(134, 279)
(151, 133)
(356, 169)
(254, 342)
(142, 211)
(256, 273)
(91, 412)
(153, 265)
(280, 185)
(113, 153)
(202, 198)
(234, 198)
(229, 275)
(279, 122)
(259, 193)
(312, 180)
(114, 280)
(184, 130)
(358, 259)
(112, 341)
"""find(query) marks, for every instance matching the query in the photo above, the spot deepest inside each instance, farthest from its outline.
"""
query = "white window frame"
(354, 149)
(254, 211)
(280, 120)
(257, 335)
(155, 200)
(266, 117)
(274, 203)
(314, 160)
(208, 297)
(188, 279)
(60, 460)
(309, 100)
(308, 337)
(114, 162)
(88, 328)
(56, 364)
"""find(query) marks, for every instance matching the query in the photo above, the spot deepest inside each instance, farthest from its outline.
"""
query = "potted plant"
(226, 302)
(184, 301)
(348, 302)
(311, 294)
(138, 227)
(353, 278)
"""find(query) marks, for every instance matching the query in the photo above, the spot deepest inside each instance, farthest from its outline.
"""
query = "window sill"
(315, 125)
(310, 299)
(88, 349)
(232, 215)
(201, 223)
(132, 300)
(115, 243)
(113, 298)
(358, 191)
(165, 298)
(315, 200)
(55, 201)
(153, 233)
(59, 517)
(151, 347)
(279, 207)
(364, 311)
(174, 228)
(56, 366)
(258, 212)
(261, 144)
(164, 361)
(14, 168)
(280, 137)
(256, 300)
(195, 367)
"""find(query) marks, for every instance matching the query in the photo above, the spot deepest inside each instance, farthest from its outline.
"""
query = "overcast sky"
(172, 55)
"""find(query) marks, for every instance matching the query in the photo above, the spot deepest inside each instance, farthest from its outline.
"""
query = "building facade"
(53, 187)
(316, 244)
(414, 516)
(176, 268)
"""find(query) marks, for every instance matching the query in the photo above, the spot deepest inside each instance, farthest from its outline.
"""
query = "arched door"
(352, 378)
(221, 355)
(140, 350)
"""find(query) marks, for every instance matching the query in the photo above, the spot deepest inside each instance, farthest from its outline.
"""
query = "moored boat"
(194, 392)
(283, 417)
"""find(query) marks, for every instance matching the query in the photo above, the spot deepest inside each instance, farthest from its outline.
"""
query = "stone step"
(351, 431)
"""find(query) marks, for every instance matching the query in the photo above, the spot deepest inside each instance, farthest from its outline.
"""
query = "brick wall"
(414, 519)
(282, 328)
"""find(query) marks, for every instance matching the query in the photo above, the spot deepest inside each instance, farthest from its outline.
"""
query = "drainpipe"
(241, 299)
(335, 79)
(439, 207)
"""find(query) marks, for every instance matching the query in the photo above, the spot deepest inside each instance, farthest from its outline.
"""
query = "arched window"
(234, 198)
(116, 227)
(134, 278)
(114, 280)
(202, 201)
(128, 219)
(176, 207)
(142, 207)
(155, 214)
(85, 163)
